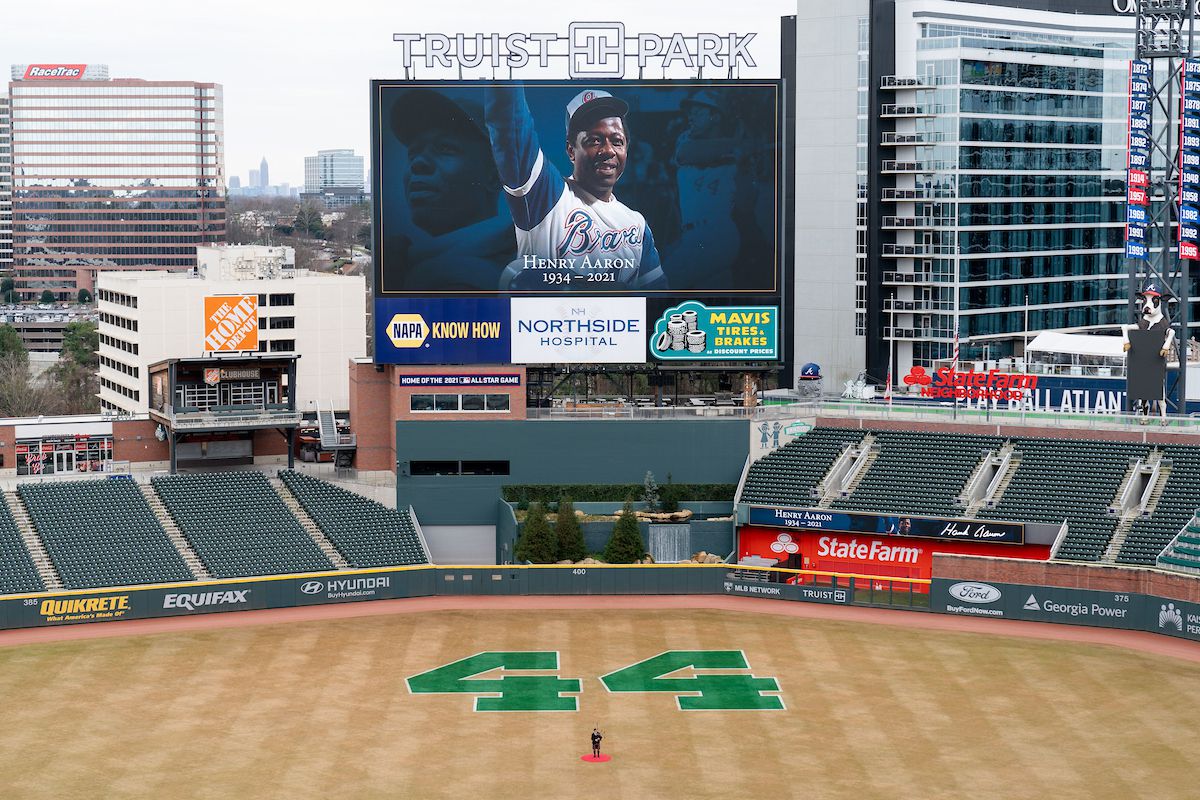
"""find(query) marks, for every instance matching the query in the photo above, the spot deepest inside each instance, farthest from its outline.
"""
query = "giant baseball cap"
(422, 109)
(591, 105)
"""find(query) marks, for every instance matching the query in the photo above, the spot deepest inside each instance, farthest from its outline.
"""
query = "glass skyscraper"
(110, 174)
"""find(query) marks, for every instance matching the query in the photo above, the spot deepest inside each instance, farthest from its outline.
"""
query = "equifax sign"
(54, 72)
(231, 323)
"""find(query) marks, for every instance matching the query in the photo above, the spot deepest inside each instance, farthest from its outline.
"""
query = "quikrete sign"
(231, 323)
(952, 384)
(946, 529)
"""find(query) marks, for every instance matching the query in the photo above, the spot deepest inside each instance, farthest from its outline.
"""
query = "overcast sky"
(295, 79)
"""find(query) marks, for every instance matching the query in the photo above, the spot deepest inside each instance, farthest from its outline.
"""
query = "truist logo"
(949, 383)
(62, 72)
(581, 237)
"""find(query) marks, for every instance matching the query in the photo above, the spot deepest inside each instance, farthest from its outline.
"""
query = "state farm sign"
(54, 72)
(231, 323)
(951, 384)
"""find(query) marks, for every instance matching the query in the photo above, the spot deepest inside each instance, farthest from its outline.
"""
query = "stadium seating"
(1075, 480)
(102, 533)
(789, 475)
(238, 525)
(919, 473)
(1186, 551)
(1180, 499)
(17, 571)
(366, 533)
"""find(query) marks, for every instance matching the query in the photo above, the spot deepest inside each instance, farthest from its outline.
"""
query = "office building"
(334, 178)
(148, 317)
(110, 174)
(990, 146)
(5, 185)
(264, 174)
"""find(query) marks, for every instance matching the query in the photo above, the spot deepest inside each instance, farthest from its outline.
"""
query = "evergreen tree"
(568, 532)
(536, 542)
(625, 546)
(670, 496)
(650, 493)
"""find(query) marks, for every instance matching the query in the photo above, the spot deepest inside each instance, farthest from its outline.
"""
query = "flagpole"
(887, 390)
(1025, 353)
(954, 366)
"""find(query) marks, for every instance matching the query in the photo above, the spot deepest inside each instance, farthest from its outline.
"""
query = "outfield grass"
(320, 710)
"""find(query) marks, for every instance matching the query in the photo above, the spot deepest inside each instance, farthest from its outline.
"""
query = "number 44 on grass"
(699, 679)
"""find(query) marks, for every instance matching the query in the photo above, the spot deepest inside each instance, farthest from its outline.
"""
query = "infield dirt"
(319, 709)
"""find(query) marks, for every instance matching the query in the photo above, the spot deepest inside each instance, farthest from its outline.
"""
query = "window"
(497, 402)
(282, 322)
(484, 468)
(281, 300)
(283, 345)
(425, 468)
(466, 403)
(445, 402)
(420, 402)
(472, 402)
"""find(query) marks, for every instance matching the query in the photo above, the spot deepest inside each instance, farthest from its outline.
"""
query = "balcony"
(911, 110)
(912, 139)
(239, 417)
(916, 166)
(919, 193)
(901, 250)
(908, 223)
(904, 82)
(901, 306)
(924, 276)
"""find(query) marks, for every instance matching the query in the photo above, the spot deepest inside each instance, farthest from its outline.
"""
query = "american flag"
(887, 387)
(955, 367)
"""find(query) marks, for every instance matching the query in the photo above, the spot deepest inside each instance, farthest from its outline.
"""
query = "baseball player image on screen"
(572, 233)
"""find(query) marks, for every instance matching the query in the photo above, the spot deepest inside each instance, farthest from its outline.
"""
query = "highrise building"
(254, 182)
(235, 182)
(330, 168)
(334, 178)
(990, 151)
(264, 175)
(110, 174)
(5, 184)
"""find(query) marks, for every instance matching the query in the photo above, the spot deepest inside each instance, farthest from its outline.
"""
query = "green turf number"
(508, 692)
(700, 691)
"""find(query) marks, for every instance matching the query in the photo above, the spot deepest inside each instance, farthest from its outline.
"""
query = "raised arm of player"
(532, 184)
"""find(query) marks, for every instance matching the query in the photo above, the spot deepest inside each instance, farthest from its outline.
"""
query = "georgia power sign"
(231, 323)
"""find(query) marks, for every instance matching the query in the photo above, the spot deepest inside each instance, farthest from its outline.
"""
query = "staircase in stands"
(33, 542)
(309, 525)
(182, 545)
(1132, 515)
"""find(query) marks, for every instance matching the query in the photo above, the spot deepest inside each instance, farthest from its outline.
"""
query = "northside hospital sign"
(592, 49)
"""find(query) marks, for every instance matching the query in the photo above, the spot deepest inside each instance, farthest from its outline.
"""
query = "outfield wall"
(1127, 598)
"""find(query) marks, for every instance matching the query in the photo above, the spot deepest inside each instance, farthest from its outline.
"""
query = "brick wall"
(1068, 576)
(134, 440)
(371, 418)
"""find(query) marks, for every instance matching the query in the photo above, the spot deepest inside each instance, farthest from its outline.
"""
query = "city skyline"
(287, 105)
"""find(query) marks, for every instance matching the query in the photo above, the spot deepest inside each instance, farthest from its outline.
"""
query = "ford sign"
(975, 592)
(312, 587)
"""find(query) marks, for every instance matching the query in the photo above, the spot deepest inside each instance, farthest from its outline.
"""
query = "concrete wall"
(559, 452)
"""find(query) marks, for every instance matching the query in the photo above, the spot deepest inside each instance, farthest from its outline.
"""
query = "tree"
(650, 494)
(85, 297)
(308, 221)
(11, 344)
(670, 496)
(625, 546)
(536, 542)
(19, 397)
(568, 533)
(47, 296)
(7, 285)
(75, 375)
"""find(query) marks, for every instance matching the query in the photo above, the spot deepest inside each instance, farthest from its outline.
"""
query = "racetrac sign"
(231, 323)
(54, 72)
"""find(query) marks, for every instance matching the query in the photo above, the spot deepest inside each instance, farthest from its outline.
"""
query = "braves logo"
(916, 376)
(581, 237)
(589, 97)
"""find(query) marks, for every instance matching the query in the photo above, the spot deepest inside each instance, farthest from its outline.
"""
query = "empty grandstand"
(366, 533)
(17, 570)
(238, 525)
(1180, 498)
(101, 533)
(791, 474)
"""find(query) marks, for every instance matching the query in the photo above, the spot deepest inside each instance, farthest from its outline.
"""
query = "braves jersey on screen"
(560, 227)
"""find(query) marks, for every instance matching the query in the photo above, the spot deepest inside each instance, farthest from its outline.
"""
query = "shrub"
(568, 533)
(670, 497)
(536, 542)
(616, 493)
(625, 545)
(650, 492)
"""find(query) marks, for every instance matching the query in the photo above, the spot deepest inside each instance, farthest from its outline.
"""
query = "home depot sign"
(231, 323)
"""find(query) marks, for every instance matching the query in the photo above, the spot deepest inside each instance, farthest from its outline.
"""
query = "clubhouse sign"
(820, 519)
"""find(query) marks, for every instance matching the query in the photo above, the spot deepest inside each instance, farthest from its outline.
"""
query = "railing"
(890, 249)
(232, 419)
(916, 166)
(890, 304)
(922, 193)
(912, 110)
(921, 138)
(917, 222)
(918, 277)
(904, 82)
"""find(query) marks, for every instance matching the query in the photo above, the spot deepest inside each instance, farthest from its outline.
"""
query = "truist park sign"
(592, 50)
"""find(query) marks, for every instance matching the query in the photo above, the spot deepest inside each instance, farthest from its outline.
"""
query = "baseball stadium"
(560, 502)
